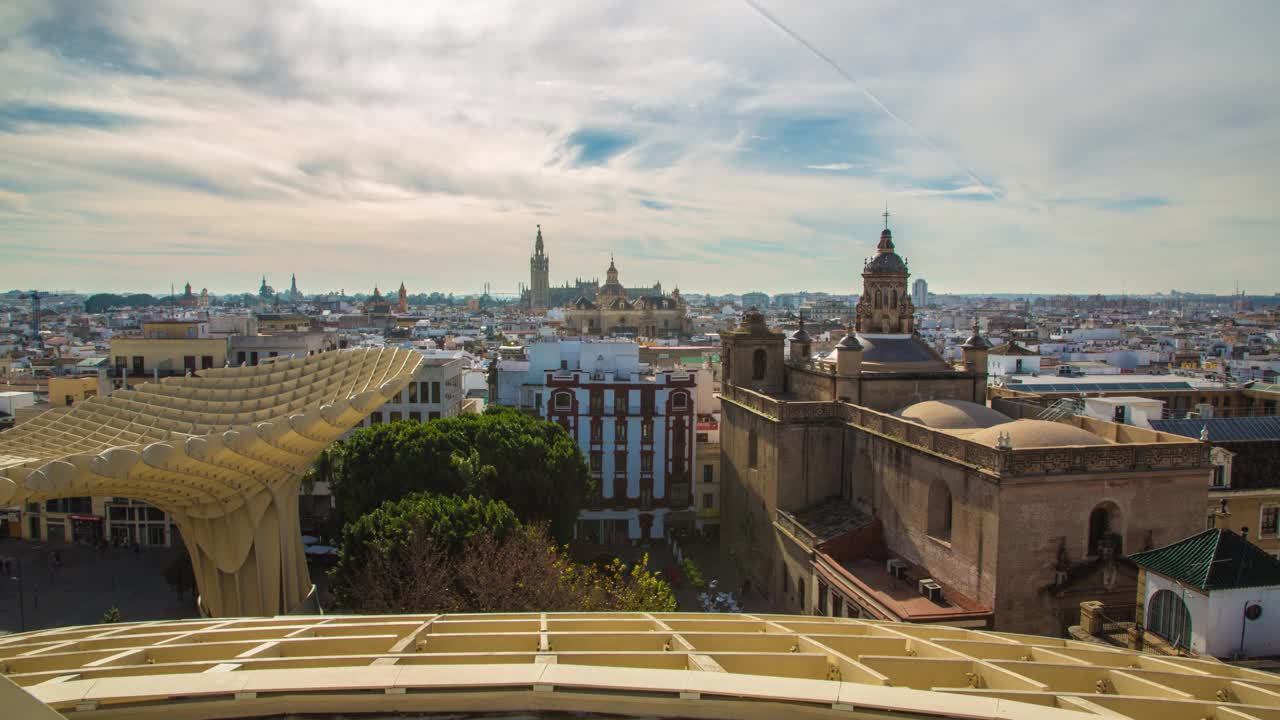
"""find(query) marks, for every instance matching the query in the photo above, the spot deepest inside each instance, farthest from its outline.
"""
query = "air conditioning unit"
(896, 568)
(1204, 410)
(930, 589)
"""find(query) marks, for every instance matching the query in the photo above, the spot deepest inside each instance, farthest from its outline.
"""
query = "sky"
(1019, 147)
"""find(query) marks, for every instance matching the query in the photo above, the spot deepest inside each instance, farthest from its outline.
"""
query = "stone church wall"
(897, 480)
(1044, 512)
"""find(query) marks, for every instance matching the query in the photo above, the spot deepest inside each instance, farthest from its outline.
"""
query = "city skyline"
(355, 146)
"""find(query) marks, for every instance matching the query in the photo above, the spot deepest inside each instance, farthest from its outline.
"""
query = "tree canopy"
(428, 553)
(530, 464)
(102, 302)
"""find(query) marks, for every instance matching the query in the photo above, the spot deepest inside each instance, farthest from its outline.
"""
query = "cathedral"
(591, 308)
(615, 312)
(876, 482)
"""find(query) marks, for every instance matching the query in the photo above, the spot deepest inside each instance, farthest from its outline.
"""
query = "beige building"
(1254, 513)
(874, 482)
(614, 312)
(169, 347)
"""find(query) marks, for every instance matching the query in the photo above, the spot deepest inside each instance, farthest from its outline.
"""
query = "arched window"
(1104, 525)
(759, 364)
(564, 401)
(679, 401)
(940, 510)
(1168, 617)
(877, 297)
(753, 449)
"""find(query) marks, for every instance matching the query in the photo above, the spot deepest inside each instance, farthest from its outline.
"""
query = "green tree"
(399, 531)
(112, 615)
(530, 464)
(448, 554)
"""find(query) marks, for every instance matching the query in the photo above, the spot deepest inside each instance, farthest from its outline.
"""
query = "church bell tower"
(539, 284)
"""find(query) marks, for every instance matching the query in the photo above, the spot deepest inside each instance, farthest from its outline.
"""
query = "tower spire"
(886, 216)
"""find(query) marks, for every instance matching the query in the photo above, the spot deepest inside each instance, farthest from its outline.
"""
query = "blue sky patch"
(16, 115)
(597, 147)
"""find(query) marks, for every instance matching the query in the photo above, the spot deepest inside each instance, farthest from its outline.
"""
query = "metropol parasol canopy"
(223, 452)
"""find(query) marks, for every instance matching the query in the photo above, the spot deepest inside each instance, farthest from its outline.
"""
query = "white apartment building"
(635, 427)
(436, 391)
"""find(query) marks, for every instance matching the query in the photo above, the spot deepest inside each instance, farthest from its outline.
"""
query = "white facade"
(436, 392)
(1013, 364)
(1217, 618)
(635, 427)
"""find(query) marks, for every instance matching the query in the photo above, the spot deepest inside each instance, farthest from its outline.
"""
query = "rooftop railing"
(1118, 457)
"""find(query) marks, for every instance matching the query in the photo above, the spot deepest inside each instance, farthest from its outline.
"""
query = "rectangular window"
(122, 361)
(1270, 525)
(646, 431)
(646, 462)
(435, 392)
(708, 473)
(646, 401)
(415, 416)
(375, 418)
(621, 401)
(620, 432)
(413, 392)
(138, 365)
(394, 416)
(597, 461)
(240, 358)
(206, 362)
(155, 535)
(597, 430)
(424, 391)
(702, 437)
(708, 501)
(1219, 476)
(189, 362)
(619, 488)
(597, 401)
(253, 357)
(433, 415)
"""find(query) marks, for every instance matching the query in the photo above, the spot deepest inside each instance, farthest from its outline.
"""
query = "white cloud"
(402, 140)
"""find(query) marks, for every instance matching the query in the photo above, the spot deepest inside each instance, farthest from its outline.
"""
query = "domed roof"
(952, 414)
(1038, 434)
(885, 263)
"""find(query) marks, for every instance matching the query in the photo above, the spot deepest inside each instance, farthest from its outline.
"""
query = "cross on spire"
(886, 216)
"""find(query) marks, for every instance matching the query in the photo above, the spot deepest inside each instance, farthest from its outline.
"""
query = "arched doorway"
(1168, 617)
(1104, 527)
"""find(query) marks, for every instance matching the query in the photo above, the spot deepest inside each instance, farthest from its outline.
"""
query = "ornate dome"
(885, 263)
(1038, 434)
(952, 415)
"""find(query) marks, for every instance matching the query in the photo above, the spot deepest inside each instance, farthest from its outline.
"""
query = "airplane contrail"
(868, 95)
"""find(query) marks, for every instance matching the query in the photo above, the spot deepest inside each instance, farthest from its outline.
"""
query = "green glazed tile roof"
(1213, 560)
